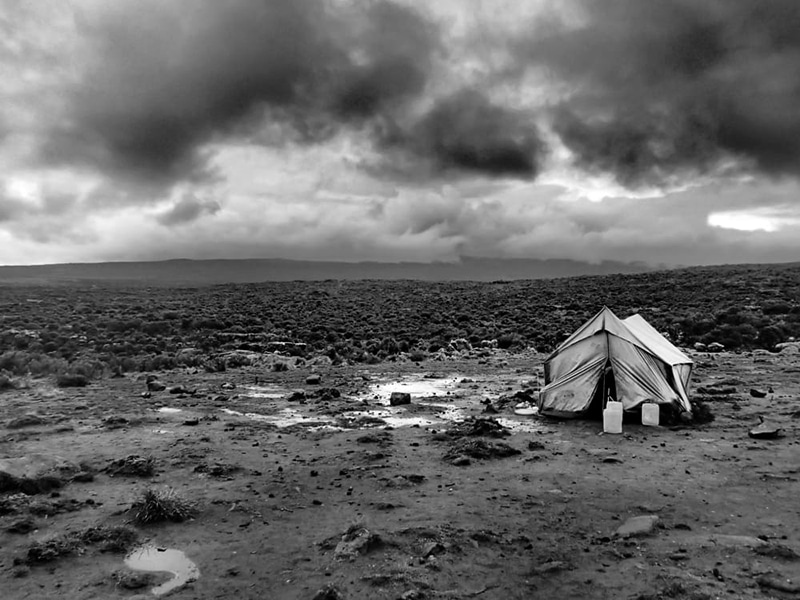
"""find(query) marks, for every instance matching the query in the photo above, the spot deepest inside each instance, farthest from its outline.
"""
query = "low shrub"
(155, 506)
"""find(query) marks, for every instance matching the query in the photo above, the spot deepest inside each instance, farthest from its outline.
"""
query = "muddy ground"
(317, 498)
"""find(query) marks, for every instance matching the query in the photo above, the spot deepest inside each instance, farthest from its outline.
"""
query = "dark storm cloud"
(167, 78)
(466, 132)
(188, 209)
(672, 86)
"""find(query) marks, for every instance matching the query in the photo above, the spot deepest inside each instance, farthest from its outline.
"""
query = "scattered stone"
(776, 582)
(535, 446)
(461, 461)
(637, 526)
(115, 422)
(29, 420)
(399, 398)
(313, 379)
(179, 389)
(757, 393)
(480, 449)
(433, 549)
(766, 431)
(154, 385)
(191, 422)
(298, 396)
(329, 592)
(357, 541)
(132, 465)
(483, 426)
(217, 469)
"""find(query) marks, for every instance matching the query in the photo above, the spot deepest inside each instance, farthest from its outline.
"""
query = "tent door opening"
(606, 390)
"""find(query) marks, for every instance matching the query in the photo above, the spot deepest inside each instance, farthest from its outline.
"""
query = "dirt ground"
(277, 492)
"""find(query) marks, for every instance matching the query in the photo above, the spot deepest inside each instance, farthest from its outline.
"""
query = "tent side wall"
(574, 374)
(640, 376)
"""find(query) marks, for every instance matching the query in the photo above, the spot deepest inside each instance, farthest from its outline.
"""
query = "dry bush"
(156, 506)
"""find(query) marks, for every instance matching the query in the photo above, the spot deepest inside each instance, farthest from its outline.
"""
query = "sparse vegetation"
(106, 539)
(80, 333)
(156, 506)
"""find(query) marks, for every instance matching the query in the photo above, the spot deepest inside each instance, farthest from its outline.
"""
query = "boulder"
(313, 379)
(637, 526)
(399, 398)
(757, 393)
(715, 347)
(700, 347)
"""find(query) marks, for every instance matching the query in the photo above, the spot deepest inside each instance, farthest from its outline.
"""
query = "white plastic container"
(650, 414)
(612, 417)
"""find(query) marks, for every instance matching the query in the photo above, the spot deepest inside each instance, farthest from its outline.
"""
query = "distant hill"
(207, 272)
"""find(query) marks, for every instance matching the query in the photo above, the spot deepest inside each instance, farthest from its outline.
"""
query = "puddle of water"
(283, 418)
(267, 392)
(521, 426)
(150, 558)
(169, 409)
(418, 388)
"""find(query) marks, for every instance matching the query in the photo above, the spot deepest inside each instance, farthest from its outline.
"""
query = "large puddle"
(163, 560)
(418, 388)
(435, 401)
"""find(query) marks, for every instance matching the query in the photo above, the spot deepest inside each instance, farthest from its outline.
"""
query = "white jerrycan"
(612, 417)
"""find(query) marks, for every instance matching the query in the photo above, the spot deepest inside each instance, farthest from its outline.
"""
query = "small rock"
(715, 347)
(757, 393)
(83, 477)
(433, 549)
(179, 389)
(313, 379)
(228, 386)
(329, 592)
(156, 386)
(637, 526)
(686, 417)
(399, 398)
(766, 431)
(461, 461)
(191, 422)
(298, 396)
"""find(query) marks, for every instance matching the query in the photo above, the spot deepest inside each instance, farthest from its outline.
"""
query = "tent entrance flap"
(605, 391)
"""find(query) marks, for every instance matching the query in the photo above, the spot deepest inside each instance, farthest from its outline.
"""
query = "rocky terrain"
(346, 440)
(306, 483)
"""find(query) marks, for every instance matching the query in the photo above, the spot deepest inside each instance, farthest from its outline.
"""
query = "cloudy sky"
(665, 131)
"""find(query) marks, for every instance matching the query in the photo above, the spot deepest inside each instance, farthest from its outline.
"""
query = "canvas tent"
(625, 359)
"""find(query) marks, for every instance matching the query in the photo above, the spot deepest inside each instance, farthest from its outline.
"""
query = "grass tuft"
(155, 506)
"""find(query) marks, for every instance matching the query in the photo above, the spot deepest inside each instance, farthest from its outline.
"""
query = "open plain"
(300, 480)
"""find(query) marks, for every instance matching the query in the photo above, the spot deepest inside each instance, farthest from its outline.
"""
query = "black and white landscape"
(279, 281)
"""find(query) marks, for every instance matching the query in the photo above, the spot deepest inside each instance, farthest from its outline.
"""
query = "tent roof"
(655, 342)
(634, 329)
